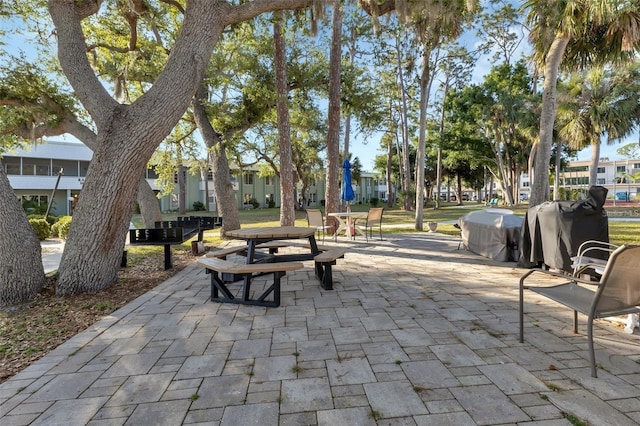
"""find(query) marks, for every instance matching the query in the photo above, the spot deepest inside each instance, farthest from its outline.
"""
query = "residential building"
(615, 175)
(53, 172)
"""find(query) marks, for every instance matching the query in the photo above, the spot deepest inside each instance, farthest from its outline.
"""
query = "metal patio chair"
(616, 293)
(315, 219)
(373, 219)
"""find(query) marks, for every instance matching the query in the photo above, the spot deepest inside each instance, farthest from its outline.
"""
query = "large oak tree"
(129, 134)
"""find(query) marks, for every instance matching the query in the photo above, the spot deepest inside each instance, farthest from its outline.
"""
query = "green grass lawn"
(619, 232)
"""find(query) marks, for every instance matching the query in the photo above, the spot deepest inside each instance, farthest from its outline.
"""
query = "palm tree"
(585, 32)
(596, 104)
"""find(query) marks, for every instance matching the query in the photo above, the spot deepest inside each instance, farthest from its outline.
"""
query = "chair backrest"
(315, 217)
(374, 216)
(619, 290)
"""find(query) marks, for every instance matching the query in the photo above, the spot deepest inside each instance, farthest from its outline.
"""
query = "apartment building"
(54, 171)
(615, 175)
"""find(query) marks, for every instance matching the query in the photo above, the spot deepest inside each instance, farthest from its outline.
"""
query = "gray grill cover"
(492, 233)
(554, 230)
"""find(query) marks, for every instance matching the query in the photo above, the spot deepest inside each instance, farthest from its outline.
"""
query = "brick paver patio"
(415, 332)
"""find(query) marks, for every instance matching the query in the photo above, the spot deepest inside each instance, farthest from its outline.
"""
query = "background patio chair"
(616, 293)
(373, 219)
(315, 219)
(591, 257)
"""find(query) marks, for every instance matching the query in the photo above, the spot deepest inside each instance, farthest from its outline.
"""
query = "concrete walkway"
(415, 332)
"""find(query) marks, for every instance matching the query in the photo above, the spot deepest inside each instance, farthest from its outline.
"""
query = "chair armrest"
(557, 275)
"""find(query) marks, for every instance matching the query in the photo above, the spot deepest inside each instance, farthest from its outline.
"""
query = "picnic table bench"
(223, 271)
(323, 261)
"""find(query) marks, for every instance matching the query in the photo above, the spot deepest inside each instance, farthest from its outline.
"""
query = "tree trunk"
(438, 176)
(333, 132)
(226, 203)
(287, 208)
(404, 126)
(182, 190)
(556, 180)
(593, 167)
(204, 173)
(540, 184)
(148, 202)
(390, 195)
(93, 251)
(422, 140)
(21, 272)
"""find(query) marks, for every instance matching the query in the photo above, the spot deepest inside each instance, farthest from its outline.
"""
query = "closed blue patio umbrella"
(347, 188)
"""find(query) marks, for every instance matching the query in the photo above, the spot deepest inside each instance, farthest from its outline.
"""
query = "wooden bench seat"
(273, 246)
(323, 263)
(223, 253)
(224, 270)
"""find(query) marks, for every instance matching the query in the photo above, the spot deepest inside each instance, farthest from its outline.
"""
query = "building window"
(248, 178)
(600, 181)
(84, 166)
(525, 184)
(601, 170)
(11, 165)
(69, 167)
(151, 174)
(621, 169)
(29, 166)
(268, 180)
(34, 200)
(209, 175)
(578, 169)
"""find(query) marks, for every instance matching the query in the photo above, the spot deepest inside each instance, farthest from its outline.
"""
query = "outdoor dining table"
(345, 222)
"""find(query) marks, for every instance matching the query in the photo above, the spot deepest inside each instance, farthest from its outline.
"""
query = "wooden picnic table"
(278, 264)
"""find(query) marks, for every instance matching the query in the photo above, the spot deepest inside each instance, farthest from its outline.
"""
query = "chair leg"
(592, 352)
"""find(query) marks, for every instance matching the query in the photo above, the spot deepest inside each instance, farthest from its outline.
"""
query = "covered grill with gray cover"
(492, 233)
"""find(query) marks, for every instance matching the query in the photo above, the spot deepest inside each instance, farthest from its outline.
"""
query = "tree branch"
(249, 10)
(66, 15)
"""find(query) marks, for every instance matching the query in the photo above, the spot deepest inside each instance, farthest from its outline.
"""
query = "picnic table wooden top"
(272, 232)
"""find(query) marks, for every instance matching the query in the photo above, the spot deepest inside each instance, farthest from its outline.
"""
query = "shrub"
(51, 219)
(198, 206)
(61, 227)
(374, 201)
(42, 228)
